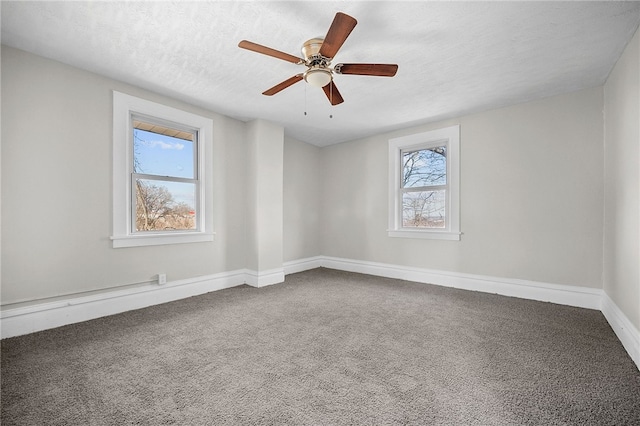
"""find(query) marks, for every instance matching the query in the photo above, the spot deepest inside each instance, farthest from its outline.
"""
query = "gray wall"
(264, 203)
(622, 183)
(56, 187)
(302, 189)
(531, 195)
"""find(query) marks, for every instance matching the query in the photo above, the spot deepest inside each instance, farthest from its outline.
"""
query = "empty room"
(320, 213)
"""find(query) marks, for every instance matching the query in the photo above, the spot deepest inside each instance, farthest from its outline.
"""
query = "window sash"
(434, 188)
(134, 202)
(432, 211)
(165, 126)
(427, 146)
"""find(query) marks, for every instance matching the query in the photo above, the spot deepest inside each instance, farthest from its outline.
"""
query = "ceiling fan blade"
(269, 51)
(281, 86)
(332, 94)
(339, 30)
(380, 70)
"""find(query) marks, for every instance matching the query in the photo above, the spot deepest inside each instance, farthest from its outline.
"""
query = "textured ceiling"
(454, 57)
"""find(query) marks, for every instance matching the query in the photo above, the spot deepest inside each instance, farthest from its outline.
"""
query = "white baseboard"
(264, 278)
(301, 265)
(43, 316)
(582, 297)
(629, 335)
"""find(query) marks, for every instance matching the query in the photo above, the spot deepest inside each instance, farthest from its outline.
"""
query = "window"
(424, 185)
(165, 177)
(160, 174)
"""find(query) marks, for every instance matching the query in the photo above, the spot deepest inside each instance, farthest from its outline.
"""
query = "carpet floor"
(326, 348)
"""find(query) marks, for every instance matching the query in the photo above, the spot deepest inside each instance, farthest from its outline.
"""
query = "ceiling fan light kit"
(318, 54)
(318, 76)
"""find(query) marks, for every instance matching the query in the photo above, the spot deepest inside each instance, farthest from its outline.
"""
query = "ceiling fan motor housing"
(311, 48)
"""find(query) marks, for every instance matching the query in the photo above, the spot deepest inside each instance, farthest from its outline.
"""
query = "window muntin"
(424, 185)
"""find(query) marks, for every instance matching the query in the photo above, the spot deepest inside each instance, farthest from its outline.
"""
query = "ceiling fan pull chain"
(331, 96)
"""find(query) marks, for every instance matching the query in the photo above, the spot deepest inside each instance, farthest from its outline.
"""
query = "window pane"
(163, 155)
(162, 205)
(424, 209)
(425, 167)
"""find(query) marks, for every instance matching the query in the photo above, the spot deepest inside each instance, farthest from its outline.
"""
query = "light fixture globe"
(318, 76)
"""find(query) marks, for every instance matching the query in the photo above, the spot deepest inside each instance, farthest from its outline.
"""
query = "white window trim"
(123, 106)
(450, 136)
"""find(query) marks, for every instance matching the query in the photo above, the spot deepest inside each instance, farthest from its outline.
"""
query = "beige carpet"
(326, 348)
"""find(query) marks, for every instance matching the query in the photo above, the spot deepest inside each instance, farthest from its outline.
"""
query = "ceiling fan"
(318, 53)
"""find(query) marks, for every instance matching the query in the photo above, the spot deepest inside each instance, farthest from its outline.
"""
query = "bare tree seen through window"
(162, 202)
(424, 179)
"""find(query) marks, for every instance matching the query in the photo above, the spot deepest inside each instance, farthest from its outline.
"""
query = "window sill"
(160, 239)
(430, 235)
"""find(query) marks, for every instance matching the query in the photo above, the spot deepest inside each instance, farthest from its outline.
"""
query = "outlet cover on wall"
(162, 279)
